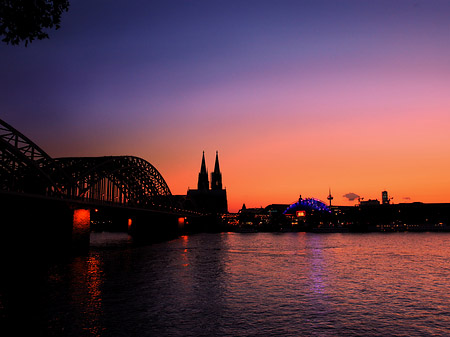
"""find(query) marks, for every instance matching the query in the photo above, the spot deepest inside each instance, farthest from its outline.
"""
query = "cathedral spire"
(216, 176)
(216, 165)
(203, 168)
(203, 183)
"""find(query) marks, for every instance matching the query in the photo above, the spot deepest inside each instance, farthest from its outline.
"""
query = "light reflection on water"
(255, 284)
(86, 292)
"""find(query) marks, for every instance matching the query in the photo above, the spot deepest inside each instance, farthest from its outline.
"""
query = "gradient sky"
(297, 96)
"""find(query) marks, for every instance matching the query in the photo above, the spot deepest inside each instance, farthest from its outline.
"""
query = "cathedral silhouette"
(204, 198)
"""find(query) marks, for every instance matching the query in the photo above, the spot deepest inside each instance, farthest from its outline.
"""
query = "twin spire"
(216, 176)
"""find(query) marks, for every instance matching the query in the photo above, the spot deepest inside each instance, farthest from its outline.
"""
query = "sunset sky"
(297, 96)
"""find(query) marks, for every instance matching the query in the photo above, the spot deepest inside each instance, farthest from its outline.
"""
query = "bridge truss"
(126, 180)
(118, 179)
(24, 167)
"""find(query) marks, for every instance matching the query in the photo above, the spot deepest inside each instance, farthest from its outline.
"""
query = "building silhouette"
(205, 198)
(385, 198)
(203, 182)
(216, 176)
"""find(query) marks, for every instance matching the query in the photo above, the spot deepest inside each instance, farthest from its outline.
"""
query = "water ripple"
(294, 284)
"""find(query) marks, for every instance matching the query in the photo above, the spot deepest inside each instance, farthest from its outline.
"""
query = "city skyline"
(297, 97)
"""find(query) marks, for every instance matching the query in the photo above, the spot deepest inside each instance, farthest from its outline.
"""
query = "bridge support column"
(81, 228)
(42, 228)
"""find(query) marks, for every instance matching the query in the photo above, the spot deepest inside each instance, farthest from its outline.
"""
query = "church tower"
(203, 182)
(216, 176)
(205, 199)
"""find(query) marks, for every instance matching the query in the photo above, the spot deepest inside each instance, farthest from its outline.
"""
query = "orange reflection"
(95, 281)
(184, 255)
(89, 295)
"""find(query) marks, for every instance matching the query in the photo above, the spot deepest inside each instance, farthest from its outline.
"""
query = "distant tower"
(330, 197)
(385, 198)
(203, 182)
(216, 176)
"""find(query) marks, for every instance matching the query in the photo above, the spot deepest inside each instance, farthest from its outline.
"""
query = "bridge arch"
(24, 166)
(118, 179)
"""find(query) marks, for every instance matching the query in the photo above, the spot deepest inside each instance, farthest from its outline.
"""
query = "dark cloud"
(351, 196)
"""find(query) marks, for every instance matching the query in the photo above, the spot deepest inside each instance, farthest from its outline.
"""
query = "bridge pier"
(81, 229)
(42, 228)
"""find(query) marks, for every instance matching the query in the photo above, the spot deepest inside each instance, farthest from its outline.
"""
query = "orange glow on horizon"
(403, 153)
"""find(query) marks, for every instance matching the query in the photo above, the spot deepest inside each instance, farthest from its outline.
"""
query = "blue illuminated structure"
(308, 204)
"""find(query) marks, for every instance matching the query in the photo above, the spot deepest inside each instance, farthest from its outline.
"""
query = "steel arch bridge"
(125, 180)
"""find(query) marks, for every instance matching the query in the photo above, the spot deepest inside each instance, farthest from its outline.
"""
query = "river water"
(255, 284)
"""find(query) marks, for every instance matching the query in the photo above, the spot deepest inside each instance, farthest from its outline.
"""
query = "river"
(230, 284)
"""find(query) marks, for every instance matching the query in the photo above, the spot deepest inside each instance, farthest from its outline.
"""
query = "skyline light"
(297, 96)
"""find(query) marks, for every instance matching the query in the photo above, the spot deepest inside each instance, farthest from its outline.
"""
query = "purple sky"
(165, 80)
